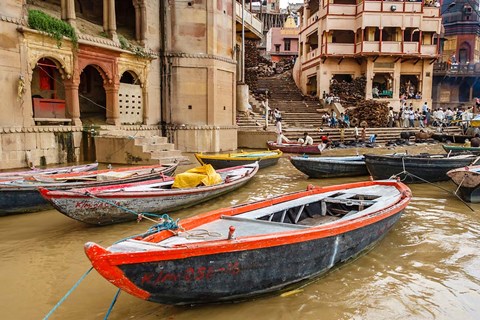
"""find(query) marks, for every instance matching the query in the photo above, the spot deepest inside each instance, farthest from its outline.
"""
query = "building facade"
(456, 73)
(73, 69)
(282, 43)
(392, 43)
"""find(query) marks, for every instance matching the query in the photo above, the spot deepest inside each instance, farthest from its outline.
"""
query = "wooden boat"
(329, 167)
(293, 147)
(254, 248)
(468, 181)
(16, 175)
(459, 149)
(225, 160)
(455, 138)
(21, 196)
(420, 168)
(120, 203)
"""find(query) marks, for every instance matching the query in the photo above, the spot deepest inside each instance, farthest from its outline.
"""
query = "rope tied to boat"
(406, 174)
(140, 215)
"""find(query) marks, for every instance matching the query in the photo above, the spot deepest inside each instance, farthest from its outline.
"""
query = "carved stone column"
(68, 12)
(109, 20)
(145, 103)
(143, 23)
(71, 100)
(113, 112)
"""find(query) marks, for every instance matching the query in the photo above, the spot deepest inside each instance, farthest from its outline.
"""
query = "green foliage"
(56, 28)
(124, 44)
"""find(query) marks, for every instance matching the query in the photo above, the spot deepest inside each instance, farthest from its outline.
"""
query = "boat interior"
(230, 175)
(303, 213)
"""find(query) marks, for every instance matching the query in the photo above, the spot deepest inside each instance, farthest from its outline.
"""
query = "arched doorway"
(130, 99)
(92, 97)
(48, 92)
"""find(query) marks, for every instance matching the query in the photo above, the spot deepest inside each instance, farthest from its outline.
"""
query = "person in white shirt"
(278, 130)
(306, 140)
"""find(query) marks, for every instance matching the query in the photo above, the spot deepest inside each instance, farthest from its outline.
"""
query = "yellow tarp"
(204, 175)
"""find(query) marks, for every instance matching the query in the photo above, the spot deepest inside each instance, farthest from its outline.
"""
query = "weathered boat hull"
(226, 161)
(330, 167)
(420, 169)
(268, 255)
(235, 276)
(99, 211)
(468, 181)
(23, 197)
(455, 138)
(295, 148)
(11, 175)
(459, 149)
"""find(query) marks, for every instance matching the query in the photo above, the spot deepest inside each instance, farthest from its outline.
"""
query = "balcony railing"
(339, 48)
(251, 22)
(457, 69)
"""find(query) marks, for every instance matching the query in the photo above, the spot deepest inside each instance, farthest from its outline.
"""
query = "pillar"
(109, 20)
(145, 103)
(113, 112)
(71, 100)
(143, 23)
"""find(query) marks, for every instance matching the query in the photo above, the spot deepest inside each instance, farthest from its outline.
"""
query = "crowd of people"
(409, 117)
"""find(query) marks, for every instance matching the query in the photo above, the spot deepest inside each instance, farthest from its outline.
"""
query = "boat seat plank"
(254, 214)
(279, 224)
(349, 201)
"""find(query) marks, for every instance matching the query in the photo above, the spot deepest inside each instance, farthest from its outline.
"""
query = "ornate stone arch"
(139, 69)
(134, 74)
(101, 67)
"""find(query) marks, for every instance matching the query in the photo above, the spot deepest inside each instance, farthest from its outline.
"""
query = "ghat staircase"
(299, 114)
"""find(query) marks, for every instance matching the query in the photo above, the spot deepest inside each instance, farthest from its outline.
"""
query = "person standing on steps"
(278, 130)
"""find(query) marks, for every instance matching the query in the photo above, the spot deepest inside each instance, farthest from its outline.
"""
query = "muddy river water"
(427, 267)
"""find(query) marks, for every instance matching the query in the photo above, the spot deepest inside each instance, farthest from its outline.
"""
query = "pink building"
(282, 43)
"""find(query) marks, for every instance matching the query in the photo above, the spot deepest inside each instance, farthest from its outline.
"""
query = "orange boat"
(239, 252)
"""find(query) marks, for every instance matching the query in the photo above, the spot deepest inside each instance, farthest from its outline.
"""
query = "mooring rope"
(406, 173)
(140, 215)
(67, 294)
(112, 304)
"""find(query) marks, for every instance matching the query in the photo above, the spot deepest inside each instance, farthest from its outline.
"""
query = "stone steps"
(138, 150)
(384, 134)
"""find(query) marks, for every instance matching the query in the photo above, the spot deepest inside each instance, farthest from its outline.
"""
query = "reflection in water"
(427, 267)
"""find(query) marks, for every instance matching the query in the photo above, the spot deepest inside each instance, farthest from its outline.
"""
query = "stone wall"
(38, 146)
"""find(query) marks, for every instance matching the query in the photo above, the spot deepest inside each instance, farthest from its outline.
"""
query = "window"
(277, 48)
(287, 45)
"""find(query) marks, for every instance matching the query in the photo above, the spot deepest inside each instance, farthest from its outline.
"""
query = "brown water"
(427, 267)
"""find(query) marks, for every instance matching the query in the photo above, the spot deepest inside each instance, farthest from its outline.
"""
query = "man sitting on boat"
(306, 140)
(475, 142)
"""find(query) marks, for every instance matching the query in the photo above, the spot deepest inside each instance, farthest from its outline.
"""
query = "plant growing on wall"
(55, 28)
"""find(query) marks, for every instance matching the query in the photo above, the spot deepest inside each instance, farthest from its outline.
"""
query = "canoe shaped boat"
(16, 175)
(225, 160)
(124, 202)
(22, 196)
(468, 181)
(330, 167)
(459, 149)
(455, 138)
(239, 252)
(420, 168)
(293, 147)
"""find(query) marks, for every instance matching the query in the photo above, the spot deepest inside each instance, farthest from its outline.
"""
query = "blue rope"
(67, 294)
(167, 224)
(112, 304)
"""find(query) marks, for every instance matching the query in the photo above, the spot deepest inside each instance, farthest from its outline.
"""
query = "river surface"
(427, 267)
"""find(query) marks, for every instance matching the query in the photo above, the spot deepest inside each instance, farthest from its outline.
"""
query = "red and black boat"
(239, 252)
